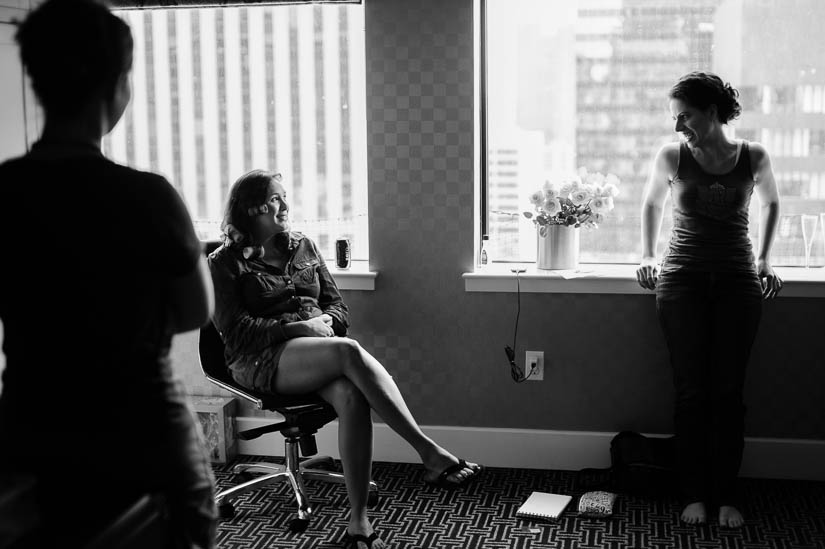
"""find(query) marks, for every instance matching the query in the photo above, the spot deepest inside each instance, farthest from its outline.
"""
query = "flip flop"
(351, 540)
(442, 482)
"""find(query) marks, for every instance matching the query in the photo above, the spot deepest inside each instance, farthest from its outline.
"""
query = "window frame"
(608, 278)
(360, 266)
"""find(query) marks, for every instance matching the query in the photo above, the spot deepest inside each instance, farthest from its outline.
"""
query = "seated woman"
(278, 310)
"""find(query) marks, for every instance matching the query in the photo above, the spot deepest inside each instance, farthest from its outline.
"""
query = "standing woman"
(101, 268)
(709, 292)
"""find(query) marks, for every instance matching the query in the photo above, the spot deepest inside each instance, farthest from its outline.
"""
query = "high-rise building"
(589, 81)
(532, 115)
(628, 55)
(218, 92)
(779, 70)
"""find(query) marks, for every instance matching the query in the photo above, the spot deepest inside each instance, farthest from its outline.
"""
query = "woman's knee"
(344, 396)
(348, 353)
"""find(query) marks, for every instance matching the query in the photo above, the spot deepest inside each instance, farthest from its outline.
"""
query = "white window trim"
(601, 278)
(357, 277)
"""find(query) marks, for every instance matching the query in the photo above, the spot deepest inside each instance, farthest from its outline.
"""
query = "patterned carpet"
(780, 515)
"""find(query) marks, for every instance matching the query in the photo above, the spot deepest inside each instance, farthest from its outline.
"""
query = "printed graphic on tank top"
(716, 200)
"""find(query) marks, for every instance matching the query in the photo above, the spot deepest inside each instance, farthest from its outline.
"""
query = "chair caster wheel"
(226, 510)
(372, 498)
(296, 526)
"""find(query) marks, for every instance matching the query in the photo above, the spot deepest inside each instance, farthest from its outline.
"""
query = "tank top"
(710, 216)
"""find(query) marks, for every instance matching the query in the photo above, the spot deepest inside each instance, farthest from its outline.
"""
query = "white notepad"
(541, 505)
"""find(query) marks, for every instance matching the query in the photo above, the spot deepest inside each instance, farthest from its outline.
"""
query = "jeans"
(710, 320)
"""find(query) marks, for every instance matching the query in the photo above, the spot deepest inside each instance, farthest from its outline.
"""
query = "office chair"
(303, 416)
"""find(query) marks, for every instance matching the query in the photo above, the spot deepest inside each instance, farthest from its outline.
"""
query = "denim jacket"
(254, 300)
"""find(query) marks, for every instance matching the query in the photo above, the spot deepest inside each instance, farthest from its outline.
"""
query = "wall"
(607, 363)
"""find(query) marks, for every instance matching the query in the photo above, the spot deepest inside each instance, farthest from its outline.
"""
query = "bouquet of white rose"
(581, 200)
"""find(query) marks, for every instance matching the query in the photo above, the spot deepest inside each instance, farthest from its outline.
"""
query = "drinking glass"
(809, 223)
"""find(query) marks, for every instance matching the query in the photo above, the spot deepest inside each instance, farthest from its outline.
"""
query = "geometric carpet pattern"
(780, 514)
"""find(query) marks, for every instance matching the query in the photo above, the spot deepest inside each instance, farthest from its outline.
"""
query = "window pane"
(584, 83)
(220, 91)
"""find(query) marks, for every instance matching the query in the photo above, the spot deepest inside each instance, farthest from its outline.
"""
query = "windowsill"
(597, 278)
(357, 277)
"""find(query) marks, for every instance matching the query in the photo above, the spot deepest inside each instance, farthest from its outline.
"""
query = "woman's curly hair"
(247, 199)
(703, 89)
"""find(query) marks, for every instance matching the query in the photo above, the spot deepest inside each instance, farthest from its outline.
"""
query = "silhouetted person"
(101, 267)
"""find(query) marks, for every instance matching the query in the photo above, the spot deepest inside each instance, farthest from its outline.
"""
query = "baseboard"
(540, 449)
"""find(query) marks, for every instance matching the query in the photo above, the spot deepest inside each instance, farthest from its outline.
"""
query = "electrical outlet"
(537, 358)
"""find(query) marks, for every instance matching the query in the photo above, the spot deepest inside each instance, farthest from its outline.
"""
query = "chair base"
(292, 471)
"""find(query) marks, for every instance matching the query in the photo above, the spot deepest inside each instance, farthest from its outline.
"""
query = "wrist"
(291, 329)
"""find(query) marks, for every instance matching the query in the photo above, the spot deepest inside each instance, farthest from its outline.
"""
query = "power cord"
(515, 372)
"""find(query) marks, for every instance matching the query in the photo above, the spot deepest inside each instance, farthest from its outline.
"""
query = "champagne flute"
(809, 223)
(822, 226)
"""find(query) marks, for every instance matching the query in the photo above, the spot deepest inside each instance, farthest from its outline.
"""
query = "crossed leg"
(353, 382)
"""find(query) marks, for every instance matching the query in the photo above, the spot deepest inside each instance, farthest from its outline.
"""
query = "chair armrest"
(237, 392)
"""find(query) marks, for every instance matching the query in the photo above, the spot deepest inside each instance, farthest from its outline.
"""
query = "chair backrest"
(211, 352)
(210, 246)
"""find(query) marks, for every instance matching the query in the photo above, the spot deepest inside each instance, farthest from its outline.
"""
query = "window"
(220, 91)
(584, 83)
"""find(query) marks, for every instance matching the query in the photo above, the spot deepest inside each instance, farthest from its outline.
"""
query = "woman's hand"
(771, 283)
(320, 326)
(648, 273)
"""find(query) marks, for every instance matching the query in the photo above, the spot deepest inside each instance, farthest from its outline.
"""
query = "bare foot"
(695, 513)
(730, 516)
(351, 542)
(441, 460)
(361, 528)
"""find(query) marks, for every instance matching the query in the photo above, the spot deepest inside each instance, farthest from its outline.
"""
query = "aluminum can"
(342, 253)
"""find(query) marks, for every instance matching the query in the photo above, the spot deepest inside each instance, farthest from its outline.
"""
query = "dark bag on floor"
(640, 466)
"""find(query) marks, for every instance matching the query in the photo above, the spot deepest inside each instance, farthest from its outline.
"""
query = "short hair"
(249, 191)
(72, 50)
(703, 89)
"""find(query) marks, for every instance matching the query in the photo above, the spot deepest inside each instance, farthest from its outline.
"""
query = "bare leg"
(309, 363)
(355, 446)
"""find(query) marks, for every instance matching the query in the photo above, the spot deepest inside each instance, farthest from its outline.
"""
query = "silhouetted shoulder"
(666, 162)
(757, 151)
(669, 154)
(760, 160)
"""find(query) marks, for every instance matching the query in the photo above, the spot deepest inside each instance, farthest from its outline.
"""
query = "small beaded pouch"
(597, 504)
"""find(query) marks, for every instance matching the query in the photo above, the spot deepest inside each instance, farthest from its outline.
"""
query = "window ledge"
(357, 277)
(598, 278)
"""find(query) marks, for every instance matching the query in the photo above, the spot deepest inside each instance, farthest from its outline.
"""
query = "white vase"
(558, 247)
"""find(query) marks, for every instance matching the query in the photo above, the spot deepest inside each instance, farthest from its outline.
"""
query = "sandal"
(351, 541)
(442, 482)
